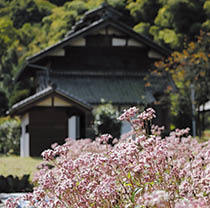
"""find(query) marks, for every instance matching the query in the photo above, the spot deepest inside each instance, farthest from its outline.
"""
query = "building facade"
(100, 58)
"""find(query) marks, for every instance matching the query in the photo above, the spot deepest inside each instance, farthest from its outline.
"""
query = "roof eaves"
(31, 66)
(140, 37)
(62, 43)
(107, 20)
(30, 99)
(47, 91)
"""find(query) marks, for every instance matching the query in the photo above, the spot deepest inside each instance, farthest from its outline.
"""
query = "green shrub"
(105, 120)
(10, 132)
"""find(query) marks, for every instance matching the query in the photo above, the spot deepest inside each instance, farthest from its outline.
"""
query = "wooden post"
(193, 110)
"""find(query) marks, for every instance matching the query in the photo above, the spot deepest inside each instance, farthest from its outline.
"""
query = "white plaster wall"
(57, 102)
(58, 52)
(60, 102)
(45, 102)
(113, 31)
(25, 137)
(101, 32)
(78, 42)
(118, 42)
(154, 54)
(132, 42)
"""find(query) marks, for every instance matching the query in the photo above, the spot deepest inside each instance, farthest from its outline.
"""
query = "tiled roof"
(118, 90)
(47, 91)
(89, 90)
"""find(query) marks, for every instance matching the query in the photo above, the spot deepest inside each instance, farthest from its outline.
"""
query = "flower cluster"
(128, 114)
(141, 171)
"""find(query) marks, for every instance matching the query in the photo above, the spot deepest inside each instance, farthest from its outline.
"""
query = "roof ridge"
(104, 74)
(106, 11)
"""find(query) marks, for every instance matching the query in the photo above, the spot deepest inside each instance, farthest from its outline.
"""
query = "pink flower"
(140, 169)
(11, 203)
(104, 139)
(48, 155)
(128, 114)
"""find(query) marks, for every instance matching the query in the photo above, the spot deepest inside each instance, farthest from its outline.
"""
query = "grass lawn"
(18, 166)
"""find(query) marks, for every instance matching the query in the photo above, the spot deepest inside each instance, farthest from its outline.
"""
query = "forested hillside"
(27, 26)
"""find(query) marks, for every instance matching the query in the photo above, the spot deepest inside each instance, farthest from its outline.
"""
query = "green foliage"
(206, 7)
(18, 95)
(10, 136)
(144, 10)
(177, 19)
(164, 17)
(169, 37)
(26, 11)
(185, 14)
(45, 5)
(181, 112)
(191, 66)
(3, 103)
(105, 120)
(206, 25)
(79, 6)
(91, 4)
(142, 28)
(8, 56)
(26, 35)
(7, 35)
(58, 2)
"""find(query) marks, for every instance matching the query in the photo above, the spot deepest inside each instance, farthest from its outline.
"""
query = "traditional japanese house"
(100, 58)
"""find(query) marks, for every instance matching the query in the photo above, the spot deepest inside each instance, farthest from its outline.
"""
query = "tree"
(26, 11)
(144, 10)
(3, 103)
(58, 2)
(170, 21)
(189, 67)
(8, 58)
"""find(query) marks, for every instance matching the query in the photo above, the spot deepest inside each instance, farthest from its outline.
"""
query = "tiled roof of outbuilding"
(46, 92)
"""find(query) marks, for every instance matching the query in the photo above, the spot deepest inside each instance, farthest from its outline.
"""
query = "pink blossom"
(48, 155)
(104, 139)
(128, 114)
(140, 170)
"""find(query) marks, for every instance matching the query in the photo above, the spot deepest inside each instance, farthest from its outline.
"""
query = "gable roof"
(109, 19)
(94, 20)
(30, 101)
